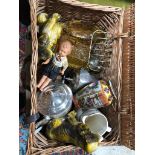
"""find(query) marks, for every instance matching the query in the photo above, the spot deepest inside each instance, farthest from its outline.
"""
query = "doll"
(56, 65)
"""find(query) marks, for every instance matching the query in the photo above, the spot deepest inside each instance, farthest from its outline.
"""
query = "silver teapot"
(54, 101)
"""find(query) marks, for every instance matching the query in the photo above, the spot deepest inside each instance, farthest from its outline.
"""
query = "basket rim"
(92, 6)
(86, 5)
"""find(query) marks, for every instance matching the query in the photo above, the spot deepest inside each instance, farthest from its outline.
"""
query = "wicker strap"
(122, 35)
(120, 71)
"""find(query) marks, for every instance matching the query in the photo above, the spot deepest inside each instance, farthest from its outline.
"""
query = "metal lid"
(55, 101)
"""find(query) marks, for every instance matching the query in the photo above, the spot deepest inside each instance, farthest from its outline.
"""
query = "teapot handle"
(43, 122)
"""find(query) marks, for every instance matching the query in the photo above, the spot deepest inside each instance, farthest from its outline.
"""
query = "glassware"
(55, 101)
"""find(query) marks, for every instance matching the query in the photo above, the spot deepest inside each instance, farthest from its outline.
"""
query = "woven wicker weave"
(109, 19)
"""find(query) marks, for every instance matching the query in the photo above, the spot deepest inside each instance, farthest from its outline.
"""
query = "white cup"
(96, 121)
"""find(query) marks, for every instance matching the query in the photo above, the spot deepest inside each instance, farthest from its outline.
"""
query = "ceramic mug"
(95, 120)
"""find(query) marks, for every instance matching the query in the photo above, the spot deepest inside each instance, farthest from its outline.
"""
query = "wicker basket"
(120, 71)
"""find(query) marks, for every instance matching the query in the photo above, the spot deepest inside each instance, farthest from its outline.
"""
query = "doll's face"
(65, 48)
